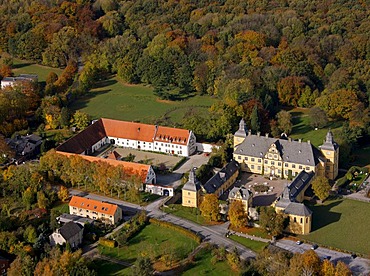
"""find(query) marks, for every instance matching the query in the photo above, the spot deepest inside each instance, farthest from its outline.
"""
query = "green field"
(62, 207)
(103, 268)
(116, 100)
(26, 67)
(342, 224)
(192, 214)
(153, 241)
(303, 130)
(204, 266)
(256, 246)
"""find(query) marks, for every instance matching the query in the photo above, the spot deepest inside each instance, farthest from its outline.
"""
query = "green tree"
(42, 200)
(80, 120)
(237, 215)
(318, 117)
(284, 122)
(321, 187)
(28, 198)
(30, 234)
(255, 121)
(271, 221)
(143, 267)
(209, 207)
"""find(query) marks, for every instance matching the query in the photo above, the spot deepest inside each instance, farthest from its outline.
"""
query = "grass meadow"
(27, 67)
(256, 246)
(342, 224)
(116, 100)
(155, 242)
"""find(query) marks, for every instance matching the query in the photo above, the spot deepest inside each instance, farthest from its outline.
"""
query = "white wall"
(203, 147)
(158, 190)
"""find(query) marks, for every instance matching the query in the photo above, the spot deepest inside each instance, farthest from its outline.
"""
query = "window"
(279, 163)
(275, 156)
(259, 160)
(301, 220)
(239, 157)
(286, 172)
(188, 193)
(266, 162)
(156, 143)
(293, 166)
(300, 167)
(259, 168)
(306, 220)
(252, 167)
(188, 201)
(279, 171)
(295, 220)
(286, 164)
(307, 168)
(245, 158)
(272, 163)
(252, 159)
(327, 160)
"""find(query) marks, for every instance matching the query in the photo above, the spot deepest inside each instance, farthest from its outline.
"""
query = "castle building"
(191, 191)
(284, 158)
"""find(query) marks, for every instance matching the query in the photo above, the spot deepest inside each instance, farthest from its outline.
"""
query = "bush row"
(180, 229)
(107, 242)
(131, 228)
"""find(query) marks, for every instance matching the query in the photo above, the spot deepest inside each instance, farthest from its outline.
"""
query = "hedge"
(178, 228)
(107, 242)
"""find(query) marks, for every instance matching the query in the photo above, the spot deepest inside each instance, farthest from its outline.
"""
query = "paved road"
(216, 234)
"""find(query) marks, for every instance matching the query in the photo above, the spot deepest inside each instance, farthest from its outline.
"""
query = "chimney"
(290, 139)
(309, 141)
(267, 135)
(249, 132)
(258, 134)
(300, 140)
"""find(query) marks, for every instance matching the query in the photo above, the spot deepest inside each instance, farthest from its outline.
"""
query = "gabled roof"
(70, 229)
(129, 168)
(173, 135)
(240, 192)
(93, 205)
(298, 209)
(221, 177)
(114, 155)
(291, 151)
(193, 184)
(128, 130)
(85, 139)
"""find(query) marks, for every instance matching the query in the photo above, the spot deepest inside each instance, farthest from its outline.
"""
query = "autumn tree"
(318, 117)
(209, 207)
(237, 214)
(327, 268)
(271, 221)
(307, 263)
(290, 90)
(6, 153)
(341, 269)
(22, 265)
(321, 187)
(284, 122)
(42, 200)
(63, 194)
(80, 120)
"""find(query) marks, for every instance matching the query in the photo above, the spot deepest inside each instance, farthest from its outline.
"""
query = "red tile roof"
(93, 205)
(129, 130)
(173, 135)
(129, 168)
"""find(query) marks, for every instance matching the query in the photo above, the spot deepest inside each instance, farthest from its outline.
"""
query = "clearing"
(27, 67)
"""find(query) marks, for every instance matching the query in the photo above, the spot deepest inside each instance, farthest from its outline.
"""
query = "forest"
(255, 57)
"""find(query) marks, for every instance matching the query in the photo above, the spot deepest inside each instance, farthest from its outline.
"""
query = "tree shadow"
(104, 83)
(264, 200)
(323, 216)
(20, 65)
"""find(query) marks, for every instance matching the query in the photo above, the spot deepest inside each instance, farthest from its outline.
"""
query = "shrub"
(132, 227)
(177, 228)
(107, 242)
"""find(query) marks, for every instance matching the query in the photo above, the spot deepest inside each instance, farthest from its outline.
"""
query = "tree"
(209, 207)
(63, 194)
(290, 90)
(142, 267)
(22, 266)
(341, 269)
(80, 120)
(284, 122)
(30, 234)
(271, 221)
(6, 153)
(327, 268)
(42, 200)
(321, 187)
(255, 122)
(237, 214)
(28, 198)
(318, 117)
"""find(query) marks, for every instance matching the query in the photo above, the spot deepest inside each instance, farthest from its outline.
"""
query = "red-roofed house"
(131, 135)
(95, 209)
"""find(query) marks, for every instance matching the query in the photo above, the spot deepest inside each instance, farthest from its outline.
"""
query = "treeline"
(254, 56)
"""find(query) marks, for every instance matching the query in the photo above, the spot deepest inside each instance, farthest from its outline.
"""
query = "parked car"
(326, 258)
(354, 256)
(299, 242)
(314, 246)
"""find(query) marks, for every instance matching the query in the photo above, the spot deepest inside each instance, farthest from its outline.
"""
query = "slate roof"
(298, 209)
(69, 230)
(291, 151)
(193, 184)
(329, 143)
(221, 177)
(74, 218)
(242, 131)
(299, 183)
(244, 193)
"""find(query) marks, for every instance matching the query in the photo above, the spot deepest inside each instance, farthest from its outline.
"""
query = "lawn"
(103, 267)
(303, 130)
(192, 214)
(116, 100)
(342, 224)
(27, 67)
(204, 266)
(62, 207)
(256, 246)
(153, 241)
